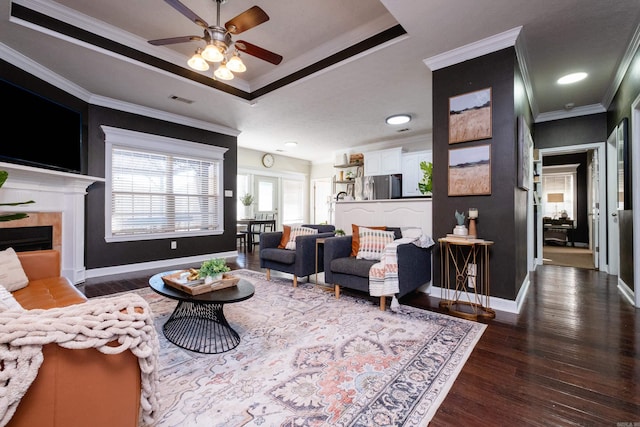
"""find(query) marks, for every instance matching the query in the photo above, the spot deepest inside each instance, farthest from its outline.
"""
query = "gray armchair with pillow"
(341, 269)
(300, 261)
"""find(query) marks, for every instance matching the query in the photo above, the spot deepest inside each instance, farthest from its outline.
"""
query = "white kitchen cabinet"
(411, 172)
(383, 162)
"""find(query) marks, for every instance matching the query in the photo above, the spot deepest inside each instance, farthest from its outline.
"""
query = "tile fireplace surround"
(59, 202)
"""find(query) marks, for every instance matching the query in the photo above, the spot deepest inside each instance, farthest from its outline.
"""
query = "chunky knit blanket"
(126, 319)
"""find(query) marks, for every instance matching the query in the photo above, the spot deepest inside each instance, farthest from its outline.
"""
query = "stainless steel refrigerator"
(387, 186)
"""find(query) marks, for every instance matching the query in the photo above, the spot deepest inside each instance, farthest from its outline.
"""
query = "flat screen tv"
(38, 131)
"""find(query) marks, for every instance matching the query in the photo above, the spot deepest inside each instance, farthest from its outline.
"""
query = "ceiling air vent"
(178, 98)
(403, 130)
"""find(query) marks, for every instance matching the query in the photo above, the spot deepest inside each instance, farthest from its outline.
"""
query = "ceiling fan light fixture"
(212, 53)
(236, 65)
(571, 78)
(398, 119)
(197, 62)
(223, 73)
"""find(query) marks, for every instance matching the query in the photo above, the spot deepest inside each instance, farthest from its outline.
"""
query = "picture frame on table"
(470, 116)
(470, 170)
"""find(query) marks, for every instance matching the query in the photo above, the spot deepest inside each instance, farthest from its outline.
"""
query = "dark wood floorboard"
(569, 358)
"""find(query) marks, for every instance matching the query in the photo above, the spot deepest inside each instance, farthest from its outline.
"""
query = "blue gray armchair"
(299, 262)
(343, 270)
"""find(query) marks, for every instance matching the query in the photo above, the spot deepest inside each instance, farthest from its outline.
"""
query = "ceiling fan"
(219, 42)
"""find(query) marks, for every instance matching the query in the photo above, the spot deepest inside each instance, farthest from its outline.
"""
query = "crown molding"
(160, 115)
(623, 68)
(19, 60)
(584, 110)
(523, 60)
(474, 50)
(11, 56)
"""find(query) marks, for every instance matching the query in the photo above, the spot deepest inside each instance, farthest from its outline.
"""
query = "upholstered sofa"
(341, 269)
(299, 262)
(74, 386)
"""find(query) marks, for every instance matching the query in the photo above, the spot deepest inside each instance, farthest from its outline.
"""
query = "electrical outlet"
(174, 244)
(471, 275)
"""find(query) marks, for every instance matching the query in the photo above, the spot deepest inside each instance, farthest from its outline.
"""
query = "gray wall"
(503, 214)
(620, 109)
(97, 252)
(102, 254)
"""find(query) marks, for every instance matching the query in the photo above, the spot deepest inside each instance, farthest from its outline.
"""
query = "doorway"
(589, 214)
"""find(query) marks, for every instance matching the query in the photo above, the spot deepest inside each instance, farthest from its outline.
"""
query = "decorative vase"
(214, 278)
(247, 212)
(460, 230)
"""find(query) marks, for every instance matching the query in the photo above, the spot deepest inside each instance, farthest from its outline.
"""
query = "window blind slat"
(154, 193)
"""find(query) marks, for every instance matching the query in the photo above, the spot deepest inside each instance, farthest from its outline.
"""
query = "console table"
(465, 277)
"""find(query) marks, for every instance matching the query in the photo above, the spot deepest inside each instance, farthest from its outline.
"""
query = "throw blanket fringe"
(92, 324)
(383, 276)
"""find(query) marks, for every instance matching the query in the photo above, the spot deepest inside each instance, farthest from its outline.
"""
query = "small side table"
(465, 277)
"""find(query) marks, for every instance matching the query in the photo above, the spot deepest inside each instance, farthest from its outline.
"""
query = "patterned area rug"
(307, 359)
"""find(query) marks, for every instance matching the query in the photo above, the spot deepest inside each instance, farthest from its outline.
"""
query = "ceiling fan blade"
(172, 40)
(258, 52)
(246, 20)
(187, 12)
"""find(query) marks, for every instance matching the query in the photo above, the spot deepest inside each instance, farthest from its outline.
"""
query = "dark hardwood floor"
(569, 358)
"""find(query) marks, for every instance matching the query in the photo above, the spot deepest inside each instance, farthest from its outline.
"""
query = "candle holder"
(473, 216)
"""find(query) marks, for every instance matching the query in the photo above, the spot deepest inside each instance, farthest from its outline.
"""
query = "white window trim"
(124, 138)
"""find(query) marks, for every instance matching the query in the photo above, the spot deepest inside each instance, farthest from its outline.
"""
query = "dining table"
(251, 231)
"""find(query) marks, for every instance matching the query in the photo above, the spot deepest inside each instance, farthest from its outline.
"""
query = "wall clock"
(267, 160)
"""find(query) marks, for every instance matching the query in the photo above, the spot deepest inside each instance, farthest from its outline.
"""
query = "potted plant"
(247, 201)
(213, 269)
(460, 229)
(11, 216)
(339, 232)
(425, 184)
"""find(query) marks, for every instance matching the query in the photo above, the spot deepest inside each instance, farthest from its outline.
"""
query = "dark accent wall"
(102, 254)
(15, 75)
(620, 109)
(572, 131)
(98, 253)
(581, 233)
(502, 215)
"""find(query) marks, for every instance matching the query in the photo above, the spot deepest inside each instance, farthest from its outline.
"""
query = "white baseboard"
(130, 268)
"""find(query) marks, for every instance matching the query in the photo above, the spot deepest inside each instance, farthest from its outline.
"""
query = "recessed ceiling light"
(291, 143)
(398, 119)
(571, 78)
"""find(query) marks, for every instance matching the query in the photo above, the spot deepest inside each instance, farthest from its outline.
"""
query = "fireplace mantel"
(52, 191)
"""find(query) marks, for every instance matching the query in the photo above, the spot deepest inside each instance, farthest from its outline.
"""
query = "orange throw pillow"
(355, 237)
(285, 236)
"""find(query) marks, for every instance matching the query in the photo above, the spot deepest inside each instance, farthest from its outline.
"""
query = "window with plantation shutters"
(159, 187)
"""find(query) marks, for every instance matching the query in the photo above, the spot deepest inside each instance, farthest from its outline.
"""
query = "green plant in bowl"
(339, 232)
(213, 268)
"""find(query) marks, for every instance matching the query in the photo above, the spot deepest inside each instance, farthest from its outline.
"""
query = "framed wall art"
(470, 116)
(525, 154)
(470, 171)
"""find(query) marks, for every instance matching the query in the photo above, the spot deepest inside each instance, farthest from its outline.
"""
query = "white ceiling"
(341, 106)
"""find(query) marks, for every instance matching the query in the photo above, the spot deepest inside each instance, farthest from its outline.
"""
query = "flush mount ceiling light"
(398, 119)
(571, 78)
(218, 40)
(291, 144)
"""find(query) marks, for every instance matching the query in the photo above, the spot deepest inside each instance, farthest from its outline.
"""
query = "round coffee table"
(198, 323)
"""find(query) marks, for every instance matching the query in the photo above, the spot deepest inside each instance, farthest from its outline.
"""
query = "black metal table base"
(201, 328)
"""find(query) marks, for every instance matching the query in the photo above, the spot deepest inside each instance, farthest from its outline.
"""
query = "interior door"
(266, 190)
(594, 208)
(612, 205)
